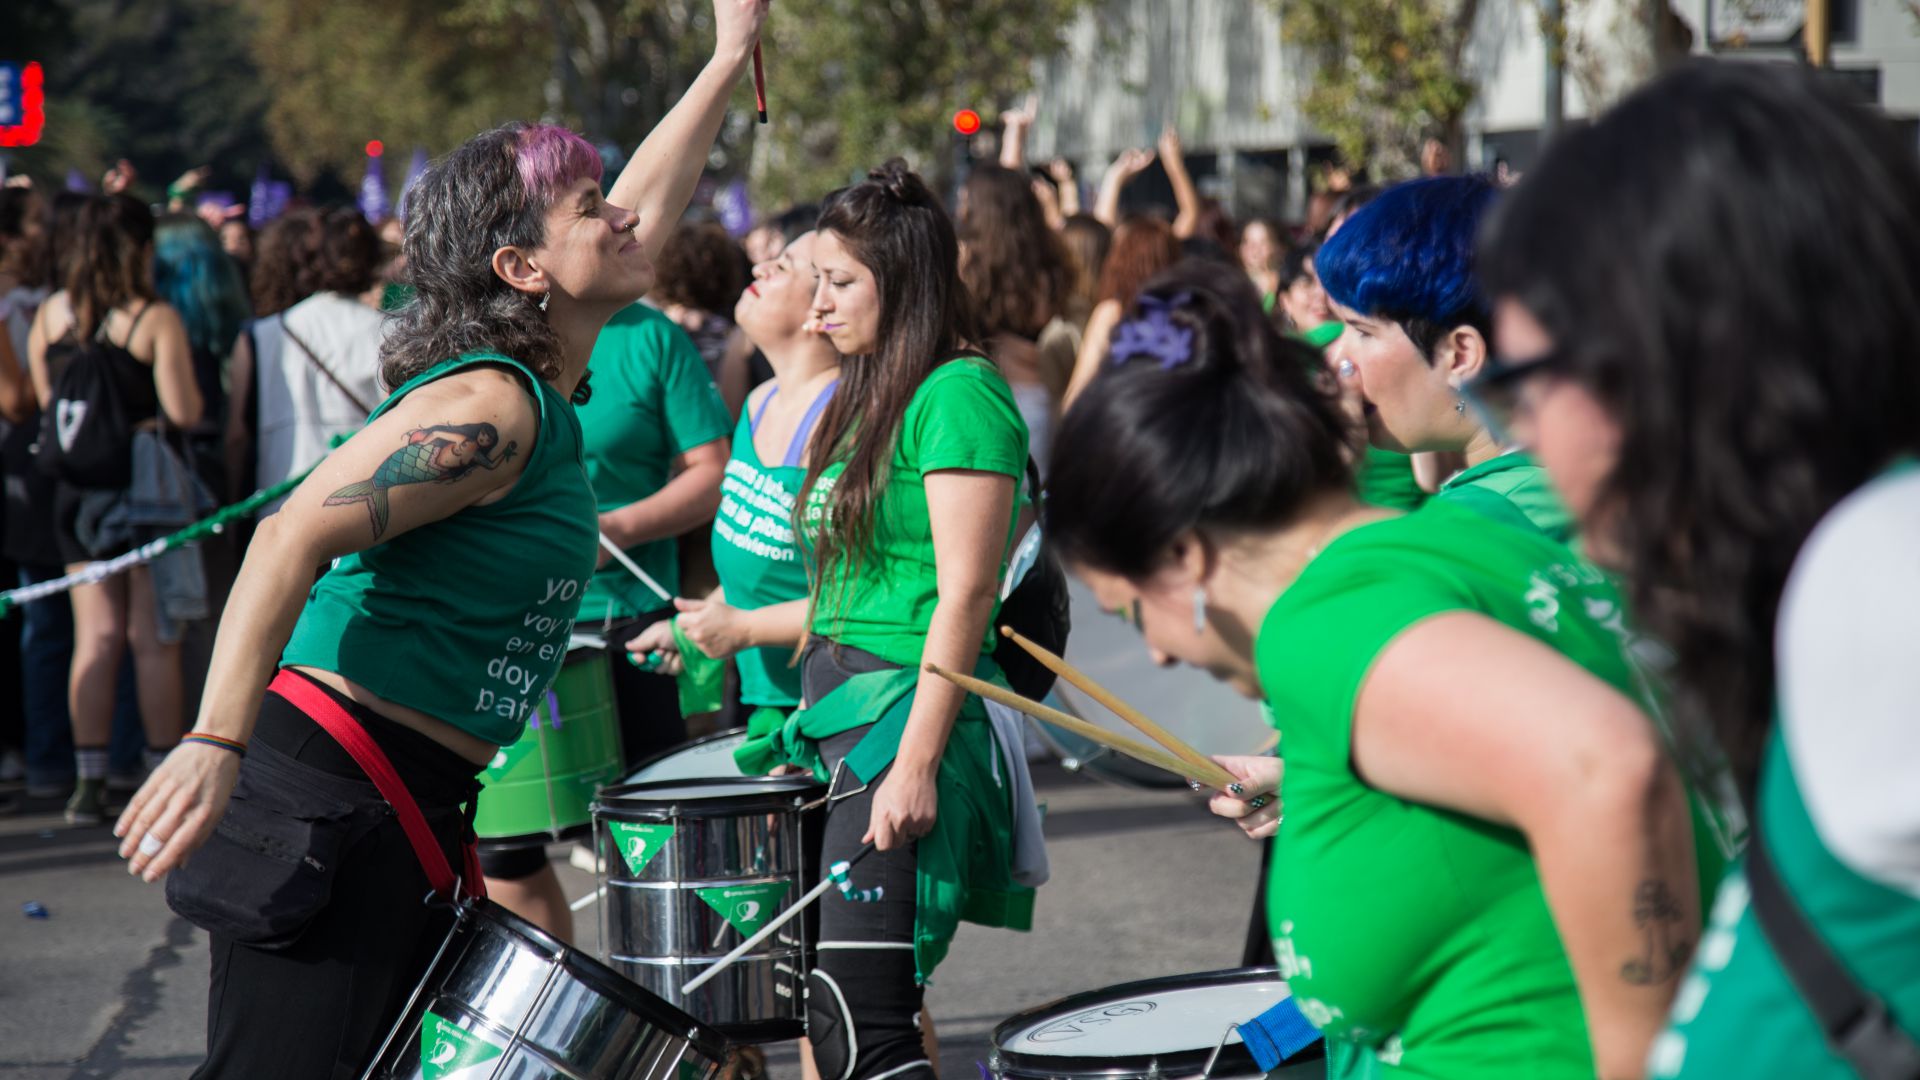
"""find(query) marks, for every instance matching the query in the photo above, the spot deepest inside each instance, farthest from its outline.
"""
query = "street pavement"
(112, 986)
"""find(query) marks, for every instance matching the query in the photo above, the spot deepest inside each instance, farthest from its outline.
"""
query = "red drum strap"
(316, 703)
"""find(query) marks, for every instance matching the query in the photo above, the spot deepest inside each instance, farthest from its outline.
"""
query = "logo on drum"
(746, 908)
(639, 842)
(1069, 1028)
(447, 1052)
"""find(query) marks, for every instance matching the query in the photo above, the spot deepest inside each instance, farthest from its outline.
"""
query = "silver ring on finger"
(150, 845)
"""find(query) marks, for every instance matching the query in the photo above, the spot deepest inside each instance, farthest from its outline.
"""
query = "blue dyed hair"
(193, 273)
(1408, 256)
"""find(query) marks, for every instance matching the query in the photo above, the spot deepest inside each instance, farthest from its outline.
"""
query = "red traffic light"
(966, 122)
(375, 148)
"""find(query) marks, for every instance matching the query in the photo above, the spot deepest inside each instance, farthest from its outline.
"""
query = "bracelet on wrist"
(220, 741)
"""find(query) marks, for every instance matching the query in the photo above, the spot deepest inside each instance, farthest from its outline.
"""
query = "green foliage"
(1387, 74)
(404, 71)
(852, 82)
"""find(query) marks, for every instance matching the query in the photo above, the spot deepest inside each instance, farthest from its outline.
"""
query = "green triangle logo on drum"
(639, 841)
(447, 1052)
(746, 908)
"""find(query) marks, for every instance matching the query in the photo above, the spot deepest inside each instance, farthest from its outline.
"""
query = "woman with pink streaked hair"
(460, 531)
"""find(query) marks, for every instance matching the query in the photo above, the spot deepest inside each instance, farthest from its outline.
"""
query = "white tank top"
(300, 408)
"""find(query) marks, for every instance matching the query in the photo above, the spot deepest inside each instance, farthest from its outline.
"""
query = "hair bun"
(898, 180)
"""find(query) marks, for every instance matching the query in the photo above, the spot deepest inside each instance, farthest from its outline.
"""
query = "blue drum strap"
(1278, 1034)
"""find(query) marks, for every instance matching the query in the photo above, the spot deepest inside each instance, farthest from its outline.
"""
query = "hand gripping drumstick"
(1101, 694)
(646, 579)
(834, 877)
(1213, 774)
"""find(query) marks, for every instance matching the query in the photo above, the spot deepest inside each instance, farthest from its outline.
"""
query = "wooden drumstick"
(1059, 666)
(1212, 774)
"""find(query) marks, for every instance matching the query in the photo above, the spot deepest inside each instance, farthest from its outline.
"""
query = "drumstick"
(1213, 774)
(1059, 666)
(766, 931)
(759, 83)
(646, 579)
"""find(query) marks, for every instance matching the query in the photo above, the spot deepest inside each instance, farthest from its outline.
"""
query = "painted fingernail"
(1259, 801)
(1236, 789)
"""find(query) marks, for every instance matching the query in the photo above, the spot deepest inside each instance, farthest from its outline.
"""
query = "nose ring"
(1347, 370)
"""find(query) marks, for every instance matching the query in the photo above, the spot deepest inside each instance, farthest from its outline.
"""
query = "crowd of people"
(1563, 528)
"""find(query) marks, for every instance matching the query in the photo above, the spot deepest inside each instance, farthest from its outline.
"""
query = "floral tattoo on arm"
(441, 454)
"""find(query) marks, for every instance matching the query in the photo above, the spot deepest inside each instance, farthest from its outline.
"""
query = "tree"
(1386, 74)
(853, 82)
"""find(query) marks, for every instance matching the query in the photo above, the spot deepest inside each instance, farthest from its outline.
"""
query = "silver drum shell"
(539, 1009)
(726, 833)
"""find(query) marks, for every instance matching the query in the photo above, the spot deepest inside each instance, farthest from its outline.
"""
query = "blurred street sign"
(22, 105)
(1739, 23)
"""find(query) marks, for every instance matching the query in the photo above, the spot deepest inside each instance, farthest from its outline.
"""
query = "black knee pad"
(863, 1015)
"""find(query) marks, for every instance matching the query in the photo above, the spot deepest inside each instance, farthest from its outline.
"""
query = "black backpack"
(1040, 609)
(86, 431)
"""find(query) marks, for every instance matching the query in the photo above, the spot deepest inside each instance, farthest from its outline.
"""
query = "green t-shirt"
(653, 400)
(1512, 488)
(1419, 938)
(466, 618)
(962, 417)
(757, 560)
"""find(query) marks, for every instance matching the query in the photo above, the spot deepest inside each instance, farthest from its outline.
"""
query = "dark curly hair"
(1015, 267)
(701, 267)
(1730, 262)
(349, 253)
(491, 192)
(285, 259)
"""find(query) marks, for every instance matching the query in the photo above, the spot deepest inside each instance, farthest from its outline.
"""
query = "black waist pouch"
(270, 865)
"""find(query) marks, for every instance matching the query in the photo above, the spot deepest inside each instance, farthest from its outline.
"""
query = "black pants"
(649, 703)
(863, 999)
(318, 1009)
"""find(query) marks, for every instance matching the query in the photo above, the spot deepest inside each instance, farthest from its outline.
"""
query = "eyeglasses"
(1498, 393)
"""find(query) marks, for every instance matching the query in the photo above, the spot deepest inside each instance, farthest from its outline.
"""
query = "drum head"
(701, 798)
(709, 757)
(1171, 1024)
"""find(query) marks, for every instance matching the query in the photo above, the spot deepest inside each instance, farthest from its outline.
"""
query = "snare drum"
(504, 1000)
(709, 757)
(691, 869)
(542, 786)
(1159, 1028)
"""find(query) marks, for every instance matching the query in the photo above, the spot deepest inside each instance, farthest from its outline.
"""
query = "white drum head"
(708, 759)
(1147, 1021)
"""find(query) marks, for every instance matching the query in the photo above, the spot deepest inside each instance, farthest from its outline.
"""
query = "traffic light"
(966, 122)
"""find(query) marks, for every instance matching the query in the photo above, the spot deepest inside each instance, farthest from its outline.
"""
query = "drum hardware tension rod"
(767, 931)
(633, 568)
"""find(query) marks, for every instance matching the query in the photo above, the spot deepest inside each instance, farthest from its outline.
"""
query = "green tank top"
(467, 618)
(755, 555)
(1418, 938)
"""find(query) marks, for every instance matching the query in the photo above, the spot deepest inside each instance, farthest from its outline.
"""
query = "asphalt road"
(111, 986)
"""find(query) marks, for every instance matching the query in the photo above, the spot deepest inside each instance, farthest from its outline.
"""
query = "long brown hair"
(1142, 247)
(896, 228)
(113, 259)
(1014, 267)
(286, 261)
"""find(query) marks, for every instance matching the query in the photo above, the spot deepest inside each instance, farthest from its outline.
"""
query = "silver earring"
(543, 300)
(1460, 406)
(1347, 370)
(1199, 609)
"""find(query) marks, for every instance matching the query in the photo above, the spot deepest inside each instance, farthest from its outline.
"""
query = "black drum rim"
(650, 800)
(1176, 1062)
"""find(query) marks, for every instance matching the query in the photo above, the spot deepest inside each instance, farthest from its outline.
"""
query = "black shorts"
(319, 1007)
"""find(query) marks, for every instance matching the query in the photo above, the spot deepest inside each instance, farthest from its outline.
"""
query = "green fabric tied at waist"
(966, 862)
(702, 682)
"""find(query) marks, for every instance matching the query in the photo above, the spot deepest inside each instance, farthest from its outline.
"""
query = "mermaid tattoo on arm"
(441, 454)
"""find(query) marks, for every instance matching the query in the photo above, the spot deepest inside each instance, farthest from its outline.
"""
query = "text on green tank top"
(756, 558)
(466, 618)
(1420, 934)
(962, 417)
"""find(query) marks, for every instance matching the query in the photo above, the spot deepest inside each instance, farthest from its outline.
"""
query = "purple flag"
(373, 192)
(260, 208)
(414, 169)
(77, 181)
(734, 209)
